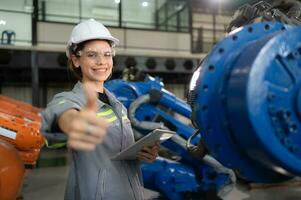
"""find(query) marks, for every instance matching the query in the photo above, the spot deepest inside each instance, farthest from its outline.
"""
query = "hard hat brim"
(114, 43)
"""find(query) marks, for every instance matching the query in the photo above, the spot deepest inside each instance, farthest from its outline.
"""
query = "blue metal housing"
(247, 102)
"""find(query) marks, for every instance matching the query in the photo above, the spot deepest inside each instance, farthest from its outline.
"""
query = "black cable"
(285, 11)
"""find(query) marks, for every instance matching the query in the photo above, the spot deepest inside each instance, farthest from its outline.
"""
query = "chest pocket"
(113, 140)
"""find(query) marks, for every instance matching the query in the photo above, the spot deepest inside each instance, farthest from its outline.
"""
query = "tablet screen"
(148, 140)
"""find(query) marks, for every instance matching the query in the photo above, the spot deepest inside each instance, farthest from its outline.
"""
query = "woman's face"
(95, 61)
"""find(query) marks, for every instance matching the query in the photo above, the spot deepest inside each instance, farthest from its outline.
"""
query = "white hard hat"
(89, 30)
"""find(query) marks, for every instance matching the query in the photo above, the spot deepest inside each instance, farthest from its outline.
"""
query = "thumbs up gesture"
(84, 129)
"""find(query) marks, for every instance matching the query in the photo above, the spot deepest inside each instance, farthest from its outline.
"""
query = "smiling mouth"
(100, 70)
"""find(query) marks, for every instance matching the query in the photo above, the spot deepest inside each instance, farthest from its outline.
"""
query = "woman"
(96, 127)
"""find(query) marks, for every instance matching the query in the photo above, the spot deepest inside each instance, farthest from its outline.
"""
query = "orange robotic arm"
(20, 125)
(20, 143)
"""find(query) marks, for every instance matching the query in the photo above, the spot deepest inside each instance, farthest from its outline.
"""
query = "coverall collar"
(78, 89)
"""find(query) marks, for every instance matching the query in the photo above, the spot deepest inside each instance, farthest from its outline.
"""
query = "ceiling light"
(117, 1)
(178, 7)
(144, 3)
(28, 9)
(2, 22)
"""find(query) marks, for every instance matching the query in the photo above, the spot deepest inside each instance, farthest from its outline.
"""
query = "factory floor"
(48, 183)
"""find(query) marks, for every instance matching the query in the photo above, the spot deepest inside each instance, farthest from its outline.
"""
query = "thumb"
(91, 97)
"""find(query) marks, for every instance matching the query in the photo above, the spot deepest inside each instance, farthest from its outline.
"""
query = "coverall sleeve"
(59, 104)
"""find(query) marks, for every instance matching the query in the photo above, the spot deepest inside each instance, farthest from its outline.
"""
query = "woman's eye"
(92, 54)
(107, 54)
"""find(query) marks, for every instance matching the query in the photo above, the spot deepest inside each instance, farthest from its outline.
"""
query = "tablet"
(149, 140)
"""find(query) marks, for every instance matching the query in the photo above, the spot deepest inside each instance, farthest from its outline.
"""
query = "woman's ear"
(75, 61)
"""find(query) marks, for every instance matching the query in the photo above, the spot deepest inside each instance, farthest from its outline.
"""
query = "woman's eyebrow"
(94, 50)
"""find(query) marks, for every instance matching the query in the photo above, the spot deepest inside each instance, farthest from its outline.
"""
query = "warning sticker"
(8, 133)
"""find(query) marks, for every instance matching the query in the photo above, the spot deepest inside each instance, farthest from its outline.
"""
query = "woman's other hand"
(149, 154)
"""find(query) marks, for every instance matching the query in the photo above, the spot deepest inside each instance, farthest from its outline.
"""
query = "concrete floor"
(48, 183)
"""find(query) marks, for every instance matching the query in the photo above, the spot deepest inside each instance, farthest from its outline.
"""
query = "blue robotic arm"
(150, 106)
(245, 100)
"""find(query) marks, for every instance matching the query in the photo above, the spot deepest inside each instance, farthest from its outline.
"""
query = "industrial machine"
(20, 125)
(20, 144)
(245, 100)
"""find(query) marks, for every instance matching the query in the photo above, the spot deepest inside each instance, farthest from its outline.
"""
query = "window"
(173, 16)
(169, 15)
(139, 13)
(59, 11)
(184, 20)
(71, 11)
(106, 11)
(15, 22)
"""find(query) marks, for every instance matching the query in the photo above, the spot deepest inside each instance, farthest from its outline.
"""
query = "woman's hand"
(149, 154)
(84, 129)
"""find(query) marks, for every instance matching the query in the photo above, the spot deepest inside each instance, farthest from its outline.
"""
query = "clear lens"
(95, 55)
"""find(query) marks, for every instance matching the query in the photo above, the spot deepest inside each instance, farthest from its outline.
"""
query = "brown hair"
(74, 49)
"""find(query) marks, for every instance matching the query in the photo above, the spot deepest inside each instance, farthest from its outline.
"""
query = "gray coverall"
(93, 175)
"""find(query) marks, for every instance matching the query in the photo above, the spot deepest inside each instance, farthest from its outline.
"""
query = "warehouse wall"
(210, 33)
(21, 29)
(54, 36)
